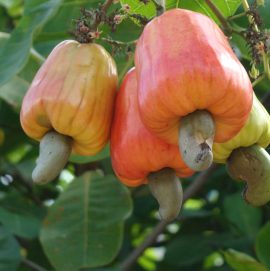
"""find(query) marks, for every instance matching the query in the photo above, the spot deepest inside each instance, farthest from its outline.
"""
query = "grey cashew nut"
(166, 187)
(196, 136)
(251, 165)
(54, 152)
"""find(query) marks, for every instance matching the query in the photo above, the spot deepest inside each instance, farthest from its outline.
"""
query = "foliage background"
(86, 219)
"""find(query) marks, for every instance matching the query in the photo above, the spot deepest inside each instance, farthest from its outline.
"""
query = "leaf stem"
(239, 15)
(106, 5)
(258, 80)
(32, 265)
(160, 6)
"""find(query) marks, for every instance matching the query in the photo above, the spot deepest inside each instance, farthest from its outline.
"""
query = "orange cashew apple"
(69, 105)
(192, 89)
(139, 157)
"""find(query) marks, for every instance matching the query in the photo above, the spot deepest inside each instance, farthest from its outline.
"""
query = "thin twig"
(258, 80)
(160, 6)
(32, 265)
(118, 42)
(191, 191)
(220, 16)
(239, 15)
(106, 5)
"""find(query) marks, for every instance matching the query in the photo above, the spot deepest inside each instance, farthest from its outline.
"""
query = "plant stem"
(32, 265)
(160, 6)
(191, 191)
(264, 55)
(258, 80)
(119, 43)
(220, 16)
(106, 5)
(37, 56)
(234, 17)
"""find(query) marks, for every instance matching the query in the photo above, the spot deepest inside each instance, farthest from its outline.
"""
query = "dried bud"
(95, 34)
(126, 7)
(254, 72)
(118, 19)
(260, 47)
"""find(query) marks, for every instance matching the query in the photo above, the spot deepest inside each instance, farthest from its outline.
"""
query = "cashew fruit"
(246, 158)
(135, 151)
(73, 94)
(184, 63)
(139, 157)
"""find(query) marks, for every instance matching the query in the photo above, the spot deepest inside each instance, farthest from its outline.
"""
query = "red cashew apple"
(192, 89)
(139, 157)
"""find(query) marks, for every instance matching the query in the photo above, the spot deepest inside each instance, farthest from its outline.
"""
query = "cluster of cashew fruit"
(188, 97)
(188, 102)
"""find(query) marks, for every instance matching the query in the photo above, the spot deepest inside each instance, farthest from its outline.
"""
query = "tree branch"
(32, 265)
(106, 5)
(191, 191)
(227, 28)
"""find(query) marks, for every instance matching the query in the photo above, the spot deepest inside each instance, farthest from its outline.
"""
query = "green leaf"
(85, 225)
(226, 7)
(87, 159)
(14, 7)
(262, 246)
(244, 217)
(20, 224)
(187, 250)
(16, 50)
(148, 10)
(21, 216)
(9, 251)
(14, 90)
(242, 262)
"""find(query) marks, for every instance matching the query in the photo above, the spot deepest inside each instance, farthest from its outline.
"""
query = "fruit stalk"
(54, 151)
(167, 189)
(196, 135)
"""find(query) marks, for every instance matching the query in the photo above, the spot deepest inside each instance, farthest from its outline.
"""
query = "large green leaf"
(148, 10)
(21, 216)
(16, 50)
(242, 262)
(19, 224)
(13, 91)
(84, 227)
(263, 245)
(226, 7)
(9, 251)
(244, 217)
